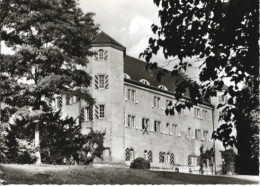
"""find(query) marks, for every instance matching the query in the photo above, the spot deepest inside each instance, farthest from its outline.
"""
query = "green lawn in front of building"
(63, 174)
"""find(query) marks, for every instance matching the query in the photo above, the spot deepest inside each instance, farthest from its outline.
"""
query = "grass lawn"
(63, 174)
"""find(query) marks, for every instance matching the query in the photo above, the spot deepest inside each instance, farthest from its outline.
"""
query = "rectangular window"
(128, 94)
(130, 121)
(101, 111)
(131, 95)
(197, 113)
(156, 102)
(175, 129)
(101, 81)
(167, 128)
(189, 133)
(131, 153)
(86, 114)
(168, 158)
(157, 126)
(145, 123)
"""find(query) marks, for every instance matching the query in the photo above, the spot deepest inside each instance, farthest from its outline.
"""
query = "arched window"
(162, 87)
(172, 159)
(144, 81)
(145, 155)
(100, 54)
(150, 156)
(126, 76)
(127, 154)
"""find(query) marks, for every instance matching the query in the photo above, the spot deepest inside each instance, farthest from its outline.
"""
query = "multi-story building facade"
(130, 107)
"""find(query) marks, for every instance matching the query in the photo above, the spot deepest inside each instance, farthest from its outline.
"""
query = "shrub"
(140, 163)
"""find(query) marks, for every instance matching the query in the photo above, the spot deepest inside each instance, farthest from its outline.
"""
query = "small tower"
(107, 70)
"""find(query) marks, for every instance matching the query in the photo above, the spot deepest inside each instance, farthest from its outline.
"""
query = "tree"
(206, 159)
(223, 35)
(228, 157)
(63, 141)
(51, 40)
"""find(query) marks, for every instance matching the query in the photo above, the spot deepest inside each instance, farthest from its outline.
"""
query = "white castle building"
(130, 108)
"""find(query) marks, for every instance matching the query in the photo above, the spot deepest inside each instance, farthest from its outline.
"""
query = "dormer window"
(100, 54)
(162, 87)
(144, 81)
(126, 76)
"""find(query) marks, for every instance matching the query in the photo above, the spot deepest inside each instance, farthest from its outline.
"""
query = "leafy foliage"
(229, 158)
(206, 159)
(140, 163)
(223, 35)
(51, 42)
(62, 139)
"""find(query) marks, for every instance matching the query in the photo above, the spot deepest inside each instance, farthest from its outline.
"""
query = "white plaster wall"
(181, 146)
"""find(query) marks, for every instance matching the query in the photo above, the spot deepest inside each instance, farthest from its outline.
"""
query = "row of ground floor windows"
(163, 157)
(148, 155)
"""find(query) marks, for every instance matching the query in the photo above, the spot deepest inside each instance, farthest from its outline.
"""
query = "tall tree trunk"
(37, 144)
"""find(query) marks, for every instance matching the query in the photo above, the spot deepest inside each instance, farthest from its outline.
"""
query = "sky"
(128, 22)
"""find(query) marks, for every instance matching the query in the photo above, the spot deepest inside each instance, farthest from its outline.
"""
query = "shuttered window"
(101, 81)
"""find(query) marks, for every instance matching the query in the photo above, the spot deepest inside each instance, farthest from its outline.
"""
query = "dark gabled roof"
(103, 38)
(136, 69)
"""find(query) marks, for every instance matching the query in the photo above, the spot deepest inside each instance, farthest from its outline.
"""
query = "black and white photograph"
(127, 92)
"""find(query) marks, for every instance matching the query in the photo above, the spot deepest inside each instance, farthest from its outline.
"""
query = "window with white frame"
(157, 126)
(197, 113)
(175, 129)
(198, 135)
(145, 123)
(131, 153)
(205, 136)
(101, 81)
(131, 121)
(189, 133)
(144, 81)
(145, 155)
(167, 128)
(168, 158)
(156, 102)
(101, 111)
(86, 114)
(204, 114)
(100, 54)
(131, 95)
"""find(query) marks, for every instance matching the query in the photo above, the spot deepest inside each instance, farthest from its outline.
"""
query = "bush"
(61, 141)
(140, 163)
